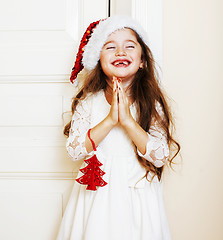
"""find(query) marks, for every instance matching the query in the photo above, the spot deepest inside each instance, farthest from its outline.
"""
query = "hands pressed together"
(120, 111)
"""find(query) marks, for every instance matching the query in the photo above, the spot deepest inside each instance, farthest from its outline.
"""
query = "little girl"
(120, 129)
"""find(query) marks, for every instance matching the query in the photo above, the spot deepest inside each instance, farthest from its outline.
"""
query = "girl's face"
(121, 55)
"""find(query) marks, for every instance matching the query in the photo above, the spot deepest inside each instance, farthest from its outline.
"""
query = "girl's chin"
(120, 76)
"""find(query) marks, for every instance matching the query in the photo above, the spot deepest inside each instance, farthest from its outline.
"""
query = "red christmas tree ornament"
(92, 173)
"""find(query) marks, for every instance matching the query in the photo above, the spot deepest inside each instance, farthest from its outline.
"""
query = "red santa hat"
(95, 37)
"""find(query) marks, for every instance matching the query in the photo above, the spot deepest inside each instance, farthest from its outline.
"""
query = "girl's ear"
(141, 65)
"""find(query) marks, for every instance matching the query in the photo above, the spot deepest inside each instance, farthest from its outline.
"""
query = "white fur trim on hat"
(100, 34)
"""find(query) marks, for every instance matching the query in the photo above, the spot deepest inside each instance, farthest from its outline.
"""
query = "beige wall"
(193, 77)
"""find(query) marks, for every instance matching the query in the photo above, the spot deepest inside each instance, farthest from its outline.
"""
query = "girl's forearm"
(138, 135)
(98, 133)
(133, 129)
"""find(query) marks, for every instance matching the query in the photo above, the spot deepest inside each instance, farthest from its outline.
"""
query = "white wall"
(193, 77)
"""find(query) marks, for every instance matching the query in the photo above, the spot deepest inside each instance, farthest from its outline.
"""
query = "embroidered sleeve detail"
(157, 150)
(80, 124)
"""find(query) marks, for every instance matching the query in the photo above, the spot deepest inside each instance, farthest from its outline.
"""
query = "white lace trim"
(157, 149)
(80, 124)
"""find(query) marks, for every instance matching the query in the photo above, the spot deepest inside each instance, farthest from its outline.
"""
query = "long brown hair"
(146, 91)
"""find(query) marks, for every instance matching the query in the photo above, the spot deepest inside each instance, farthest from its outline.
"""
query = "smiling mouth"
(121, 63)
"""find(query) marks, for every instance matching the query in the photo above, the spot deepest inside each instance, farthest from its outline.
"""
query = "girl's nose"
(120, 52)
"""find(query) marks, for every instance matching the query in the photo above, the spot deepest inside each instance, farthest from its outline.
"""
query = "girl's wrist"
(111, 123)
(128, 123)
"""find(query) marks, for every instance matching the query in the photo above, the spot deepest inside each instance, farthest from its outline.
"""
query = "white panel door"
(38, 43)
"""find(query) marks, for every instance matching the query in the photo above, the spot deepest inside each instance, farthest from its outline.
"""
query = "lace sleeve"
(80, 124)
(157, 150)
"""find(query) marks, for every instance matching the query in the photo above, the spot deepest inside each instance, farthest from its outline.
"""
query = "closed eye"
(111, 47)
(130, 46)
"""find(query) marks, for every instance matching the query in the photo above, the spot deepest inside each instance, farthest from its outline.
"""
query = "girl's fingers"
(113, 114)
(115, 89)
(114, 79)
(122, 94)
(115, 97)
(115, 93)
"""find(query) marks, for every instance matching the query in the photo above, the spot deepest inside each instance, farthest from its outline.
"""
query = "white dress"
(128, 207)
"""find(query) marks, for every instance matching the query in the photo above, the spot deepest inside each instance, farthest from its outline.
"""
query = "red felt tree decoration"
(92, 173)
